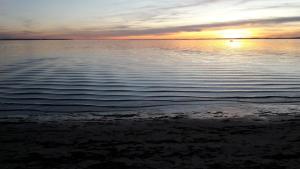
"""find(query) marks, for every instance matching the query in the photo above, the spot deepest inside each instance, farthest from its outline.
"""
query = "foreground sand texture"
(161, 143)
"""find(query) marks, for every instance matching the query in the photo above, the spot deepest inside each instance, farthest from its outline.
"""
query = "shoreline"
(162, 142)
(204, 39)
(256, 112)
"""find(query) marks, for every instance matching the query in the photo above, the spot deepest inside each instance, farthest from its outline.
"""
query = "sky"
(149, 19)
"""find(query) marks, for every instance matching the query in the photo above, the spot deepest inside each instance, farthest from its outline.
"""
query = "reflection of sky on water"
(103, 76)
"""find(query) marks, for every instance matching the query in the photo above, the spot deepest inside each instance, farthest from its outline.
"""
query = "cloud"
(21, 35)
(125, 31)
(28, 23)
(283, 5)
(164, 11)
(169, 12)
(189, 28)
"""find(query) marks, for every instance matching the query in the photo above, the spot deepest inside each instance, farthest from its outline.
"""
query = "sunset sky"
(149, 19)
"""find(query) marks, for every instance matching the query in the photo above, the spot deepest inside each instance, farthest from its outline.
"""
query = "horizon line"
(33, 39)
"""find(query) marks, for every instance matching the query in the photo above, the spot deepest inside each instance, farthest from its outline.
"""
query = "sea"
(149, 78)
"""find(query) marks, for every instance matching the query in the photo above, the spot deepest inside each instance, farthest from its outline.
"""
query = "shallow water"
(135, 76)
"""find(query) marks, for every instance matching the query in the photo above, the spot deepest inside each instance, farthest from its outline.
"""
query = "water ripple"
(104, 80)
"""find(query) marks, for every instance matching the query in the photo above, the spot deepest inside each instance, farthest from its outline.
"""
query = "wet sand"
(163, 143)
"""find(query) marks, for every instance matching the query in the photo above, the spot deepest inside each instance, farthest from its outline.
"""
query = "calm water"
(118, 76)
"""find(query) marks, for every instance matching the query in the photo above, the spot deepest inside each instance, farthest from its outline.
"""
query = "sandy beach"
(163, 142)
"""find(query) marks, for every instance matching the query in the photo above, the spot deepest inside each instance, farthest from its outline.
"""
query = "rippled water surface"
(118, 76)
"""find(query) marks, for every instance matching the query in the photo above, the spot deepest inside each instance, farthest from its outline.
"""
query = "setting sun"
(234, 33)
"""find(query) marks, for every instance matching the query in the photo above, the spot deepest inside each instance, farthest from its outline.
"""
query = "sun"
(234, 33)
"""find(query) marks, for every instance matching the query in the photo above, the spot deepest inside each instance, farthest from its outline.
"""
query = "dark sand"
(160, 143)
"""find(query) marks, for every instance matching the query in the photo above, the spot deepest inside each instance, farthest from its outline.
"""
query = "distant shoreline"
(32, 39)
(150, 39)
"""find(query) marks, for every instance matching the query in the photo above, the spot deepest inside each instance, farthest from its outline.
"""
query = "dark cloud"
(7, 36)
(22, 34)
